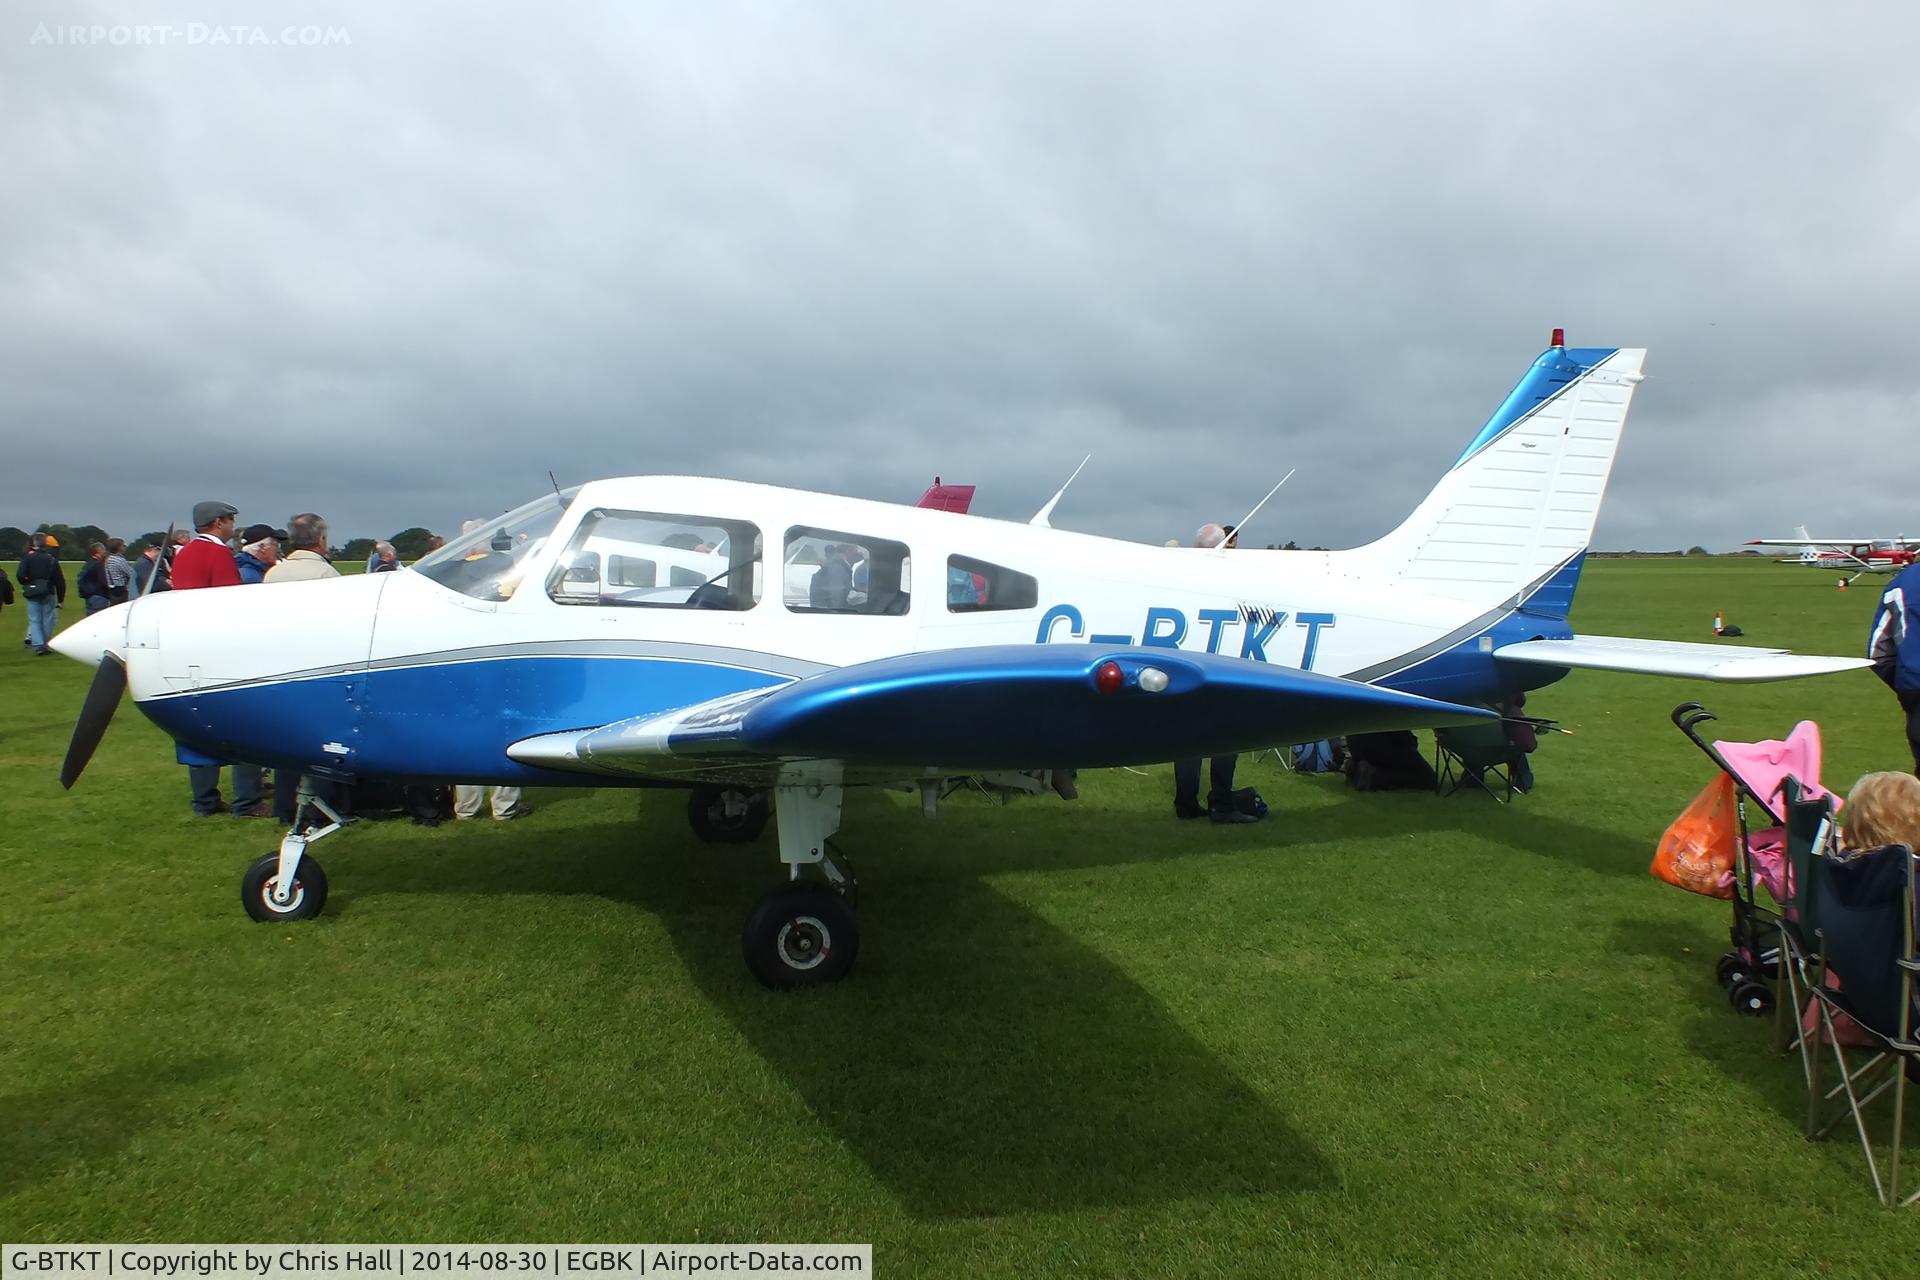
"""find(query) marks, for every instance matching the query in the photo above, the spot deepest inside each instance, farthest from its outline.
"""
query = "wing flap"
(1005, 707)
(1727, 663)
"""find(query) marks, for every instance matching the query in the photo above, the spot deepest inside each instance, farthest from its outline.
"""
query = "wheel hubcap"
(270, 894)
(803, 943)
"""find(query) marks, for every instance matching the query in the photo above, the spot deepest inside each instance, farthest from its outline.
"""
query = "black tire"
(1752, 999)
(1731, 971)
(707, 813)
(309, 891)
(800, 935)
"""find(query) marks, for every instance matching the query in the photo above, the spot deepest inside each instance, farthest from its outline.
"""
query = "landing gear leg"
(804, 933)
(287, 884)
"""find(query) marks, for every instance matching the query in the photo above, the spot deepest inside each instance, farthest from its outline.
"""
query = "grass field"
(1375, 1033)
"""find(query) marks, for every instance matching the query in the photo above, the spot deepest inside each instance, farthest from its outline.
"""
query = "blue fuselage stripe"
(450, 720)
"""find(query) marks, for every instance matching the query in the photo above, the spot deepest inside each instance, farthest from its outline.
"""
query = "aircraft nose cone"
(94, 635)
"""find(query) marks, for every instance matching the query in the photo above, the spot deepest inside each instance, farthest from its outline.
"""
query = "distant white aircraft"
(758, 644)
(1847, 555)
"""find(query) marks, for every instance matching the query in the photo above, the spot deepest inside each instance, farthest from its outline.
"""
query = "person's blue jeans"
(205, 779)
(96, 603)
(43, 619)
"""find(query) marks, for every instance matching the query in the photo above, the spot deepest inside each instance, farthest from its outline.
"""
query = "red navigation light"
(1109, 677)
(1559, 337)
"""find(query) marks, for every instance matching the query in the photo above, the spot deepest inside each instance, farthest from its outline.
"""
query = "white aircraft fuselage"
(397, 675)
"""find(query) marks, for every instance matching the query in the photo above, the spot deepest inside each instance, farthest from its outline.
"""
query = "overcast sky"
(399, 273)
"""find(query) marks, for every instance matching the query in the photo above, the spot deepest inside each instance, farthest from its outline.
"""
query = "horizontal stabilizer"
(1006, 707)
(1730, 663)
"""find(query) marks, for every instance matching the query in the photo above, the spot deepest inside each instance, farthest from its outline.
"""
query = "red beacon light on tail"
(1559, 338)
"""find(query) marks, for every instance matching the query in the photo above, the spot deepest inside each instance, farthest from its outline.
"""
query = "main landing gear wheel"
(257, 891)
(727, 815)
(801, 934)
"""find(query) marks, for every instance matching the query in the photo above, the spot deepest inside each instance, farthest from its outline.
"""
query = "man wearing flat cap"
(207, 561)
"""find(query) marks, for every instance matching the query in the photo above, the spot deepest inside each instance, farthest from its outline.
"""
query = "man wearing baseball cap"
(207, 561)
(259, 552)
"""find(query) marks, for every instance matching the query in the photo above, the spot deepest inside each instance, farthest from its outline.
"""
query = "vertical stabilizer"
(1517, 510)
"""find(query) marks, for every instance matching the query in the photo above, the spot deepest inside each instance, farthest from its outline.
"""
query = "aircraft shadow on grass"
(43, 1131)
(984, 1063)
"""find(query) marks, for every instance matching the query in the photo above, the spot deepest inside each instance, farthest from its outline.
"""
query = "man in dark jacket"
(44, 587)
(1894, 646)
(149, 562)
(93, 578)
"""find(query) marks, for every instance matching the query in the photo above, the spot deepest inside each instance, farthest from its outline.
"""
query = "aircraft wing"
(1730, 663)
(998, 707)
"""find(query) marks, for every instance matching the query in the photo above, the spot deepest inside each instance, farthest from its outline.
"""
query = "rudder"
(1512, 518)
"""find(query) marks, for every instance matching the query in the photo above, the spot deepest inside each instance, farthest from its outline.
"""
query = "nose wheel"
(267, 902)
(287, 884)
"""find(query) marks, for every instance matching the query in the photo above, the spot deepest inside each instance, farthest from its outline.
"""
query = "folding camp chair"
(1481, 754)
(1856, 916)
(1809, 829)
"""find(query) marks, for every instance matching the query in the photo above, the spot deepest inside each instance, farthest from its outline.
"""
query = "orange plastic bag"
(1697, 851)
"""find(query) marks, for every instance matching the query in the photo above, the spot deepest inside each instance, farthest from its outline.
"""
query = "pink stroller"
(1758, 770)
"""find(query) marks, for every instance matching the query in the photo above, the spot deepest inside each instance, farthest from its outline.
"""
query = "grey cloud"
(850, 247)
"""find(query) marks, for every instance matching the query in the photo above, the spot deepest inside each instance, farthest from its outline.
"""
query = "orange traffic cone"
(1719, 622)
(1843, 584)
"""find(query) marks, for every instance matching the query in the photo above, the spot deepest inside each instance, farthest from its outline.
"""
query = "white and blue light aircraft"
(768, 647)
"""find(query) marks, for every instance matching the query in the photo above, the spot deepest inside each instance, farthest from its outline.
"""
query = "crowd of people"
(218, 553)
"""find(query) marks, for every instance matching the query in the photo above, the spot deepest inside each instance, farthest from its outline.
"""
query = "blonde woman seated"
(1860, 895)
(1882, 809)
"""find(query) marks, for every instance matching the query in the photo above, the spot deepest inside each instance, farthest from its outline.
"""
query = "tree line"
(74, 539)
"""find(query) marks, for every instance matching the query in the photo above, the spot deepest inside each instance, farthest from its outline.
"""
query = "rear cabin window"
(975, 586)
(830, 571)
(658, 560)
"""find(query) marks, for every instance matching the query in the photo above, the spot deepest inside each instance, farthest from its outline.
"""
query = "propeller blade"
(96, 713)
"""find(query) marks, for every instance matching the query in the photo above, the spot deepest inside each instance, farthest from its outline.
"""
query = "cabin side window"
(976, 586)
(659, 560)
(831, 571)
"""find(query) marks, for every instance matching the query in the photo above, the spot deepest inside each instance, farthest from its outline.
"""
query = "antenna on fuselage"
(1241, 527)
(555, 484)
(1040, 519)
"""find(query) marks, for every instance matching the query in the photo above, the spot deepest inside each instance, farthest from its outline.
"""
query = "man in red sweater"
(207, 561)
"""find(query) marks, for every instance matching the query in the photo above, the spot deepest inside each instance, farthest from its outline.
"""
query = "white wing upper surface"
(1727, 663)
